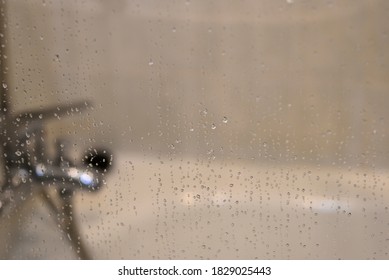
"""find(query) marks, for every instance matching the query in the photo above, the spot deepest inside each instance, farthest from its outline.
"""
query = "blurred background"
(207, 103)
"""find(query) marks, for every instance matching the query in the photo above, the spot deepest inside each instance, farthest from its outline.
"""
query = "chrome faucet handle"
(52, 112)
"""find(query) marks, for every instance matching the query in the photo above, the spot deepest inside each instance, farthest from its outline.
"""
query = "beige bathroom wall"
(275, 81)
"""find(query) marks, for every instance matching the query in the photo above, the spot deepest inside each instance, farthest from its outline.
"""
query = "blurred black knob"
(99, 159)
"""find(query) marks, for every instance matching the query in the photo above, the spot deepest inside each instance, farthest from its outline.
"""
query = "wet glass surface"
(231, 130)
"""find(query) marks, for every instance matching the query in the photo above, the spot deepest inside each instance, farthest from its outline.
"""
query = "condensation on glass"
(234, 130)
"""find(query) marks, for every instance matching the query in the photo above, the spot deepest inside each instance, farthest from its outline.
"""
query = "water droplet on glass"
(213, 126)
(5, 85)
(18, 153)
(151, 63)
(225, 120)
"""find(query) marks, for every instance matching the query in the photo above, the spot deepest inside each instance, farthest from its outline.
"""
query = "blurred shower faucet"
(26, 158)
(28, 168)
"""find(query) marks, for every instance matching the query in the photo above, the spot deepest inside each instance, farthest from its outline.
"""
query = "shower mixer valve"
(26, 163)
(25, 152)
